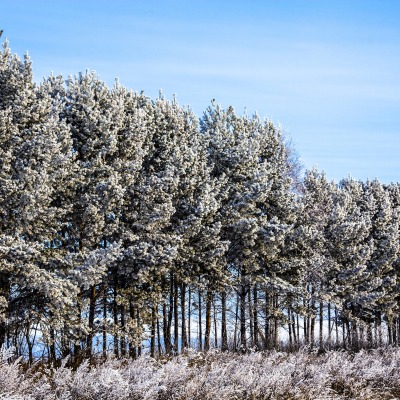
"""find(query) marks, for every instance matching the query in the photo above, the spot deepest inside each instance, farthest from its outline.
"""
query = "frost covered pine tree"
(108, 131)
(318, 199)
(384, 235)
(350, 247)
(36, 162)
(250, 156)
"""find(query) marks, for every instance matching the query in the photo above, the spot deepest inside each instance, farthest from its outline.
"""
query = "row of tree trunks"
(250, 331)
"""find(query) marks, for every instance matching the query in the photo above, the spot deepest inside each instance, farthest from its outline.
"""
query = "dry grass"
(304, 375)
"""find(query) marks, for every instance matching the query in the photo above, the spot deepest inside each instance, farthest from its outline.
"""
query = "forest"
(129, 227)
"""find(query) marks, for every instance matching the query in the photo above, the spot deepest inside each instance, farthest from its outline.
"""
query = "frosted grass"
(303, 375)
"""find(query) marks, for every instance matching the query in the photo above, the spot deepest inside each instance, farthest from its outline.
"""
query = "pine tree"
(36, 160)
(250, 155)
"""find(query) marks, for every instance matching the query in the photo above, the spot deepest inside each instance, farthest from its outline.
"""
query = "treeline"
(124, 219)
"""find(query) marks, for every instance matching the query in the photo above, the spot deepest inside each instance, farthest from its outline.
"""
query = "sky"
(327, 72)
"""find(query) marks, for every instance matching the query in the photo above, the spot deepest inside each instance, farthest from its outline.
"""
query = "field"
(368, 374)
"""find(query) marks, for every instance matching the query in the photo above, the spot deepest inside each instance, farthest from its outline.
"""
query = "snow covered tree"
(255, 210)
(35, 166)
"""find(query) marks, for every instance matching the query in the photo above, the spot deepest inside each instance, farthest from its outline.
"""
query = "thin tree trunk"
(379, 325)
(208, 322)
(312, 325)
(295, 339)
(53, 356)
(105, 323)
(77, 338)
(139, 347)
(243, 339)
(361, 338)
(276, 322)
(200, 324)
(370, 339)
(255, 315)
(267, 320)
(251, 317)
(306, 319)
(389, 328)
(344, 332)
(183, 314)
(153, 331)
(394, 331)
(235, 333)
(92, 309)
(132, 345)
(330, 326)
(123, 328)
(189, 316)
(28, 342)
(224, 333)
(321, 324)
(159, 347)
(290, 329)
(336, 327)
(215, 324)
(171, 311)
(115, 312)
(166, 330)
(176, 317)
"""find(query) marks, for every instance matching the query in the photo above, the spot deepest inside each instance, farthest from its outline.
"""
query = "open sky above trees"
(327, 71)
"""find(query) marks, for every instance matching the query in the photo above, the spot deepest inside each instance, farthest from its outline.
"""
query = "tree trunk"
(306, 319)
(200, 324)
(159, 347)
(379, 326)
(132, 344)
(251, 317)
(208, 321)
(53, 356)
(370, 339)
(166, 330)
(224, 333)
(255, 315)
(267, 331)
(295, 338)
(28, 342)
(189, 316)
(312, 324)
(235, 332)
(394, 324)
(139, 347)
(153, 331)
(330, 326)
(115, 315)
(183, 317)
(170, 311)
(336, 326)
(123, 331)
(92, 309)
(290, 329)
(276, 322)
(243, 341)
(215, 324)
(105, 322)
(321, 324)
(176, 317)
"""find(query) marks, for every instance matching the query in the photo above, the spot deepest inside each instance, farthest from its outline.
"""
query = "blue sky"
(327, 71)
